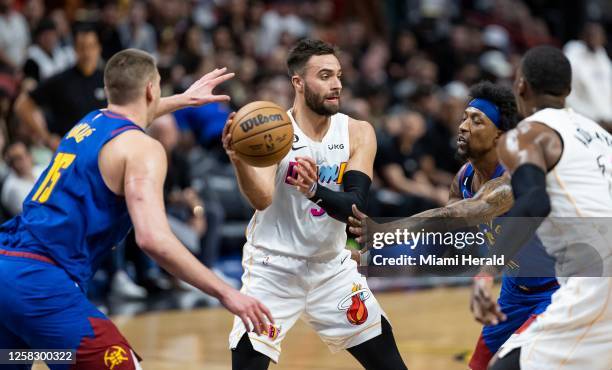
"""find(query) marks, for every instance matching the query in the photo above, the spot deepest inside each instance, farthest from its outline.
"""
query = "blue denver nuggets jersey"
(532, 259)
(70, 215)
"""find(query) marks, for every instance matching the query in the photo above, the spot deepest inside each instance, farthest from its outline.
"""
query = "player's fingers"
(266, 312)
(356, 230)
(221, 79)
(262, 319)
(214, 73)
(499, 314)
(299, 184)
(217, 98)
(309, 164)
(292, 180)
(360, 215)
(354, 222)
(310, 160)
(491, 318)
(257, 325)
(227, 141)
(305, 174)
(245, 321)
(475, 308)
(228, 123)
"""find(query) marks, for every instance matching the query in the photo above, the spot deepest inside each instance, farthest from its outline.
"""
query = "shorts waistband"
(30, 255)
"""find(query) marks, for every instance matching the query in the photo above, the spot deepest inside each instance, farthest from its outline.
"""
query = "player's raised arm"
(256, 183)
(199, 93)
(143, 171)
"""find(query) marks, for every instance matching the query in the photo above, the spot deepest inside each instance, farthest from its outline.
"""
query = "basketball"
(262, 133)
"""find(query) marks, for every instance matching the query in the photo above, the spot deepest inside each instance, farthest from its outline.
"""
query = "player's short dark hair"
(547, 71)
(126, 75)
(303, 50)
(502, 97)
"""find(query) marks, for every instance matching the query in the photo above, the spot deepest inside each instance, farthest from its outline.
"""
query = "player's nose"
(336, 84)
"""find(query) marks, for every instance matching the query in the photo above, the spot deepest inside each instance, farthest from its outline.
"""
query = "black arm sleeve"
(338, 204)
(530, 201)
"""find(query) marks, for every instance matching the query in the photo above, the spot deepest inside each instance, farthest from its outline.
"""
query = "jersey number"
(61, 162)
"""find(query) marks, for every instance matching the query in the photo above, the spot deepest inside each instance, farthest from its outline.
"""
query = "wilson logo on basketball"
(354, 305)
(260, 119)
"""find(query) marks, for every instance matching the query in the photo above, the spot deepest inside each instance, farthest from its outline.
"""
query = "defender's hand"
(482, 304)
(226, 138)
(306, 181)
(201, 91)
(254, 315)
(357, 224)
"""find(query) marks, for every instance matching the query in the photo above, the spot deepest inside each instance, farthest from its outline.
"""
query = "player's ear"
(498, 135)
(149, 92)
(522, 86)
(297, 82)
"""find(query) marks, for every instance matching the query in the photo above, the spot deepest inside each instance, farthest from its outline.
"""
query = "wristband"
(312, 190)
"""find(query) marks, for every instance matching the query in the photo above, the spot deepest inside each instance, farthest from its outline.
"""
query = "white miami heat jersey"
(292, 224)
(579, 186)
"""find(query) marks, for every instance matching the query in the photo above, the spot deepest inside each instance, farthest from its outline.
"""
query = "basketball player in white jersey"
(561, 166)
(295, 258)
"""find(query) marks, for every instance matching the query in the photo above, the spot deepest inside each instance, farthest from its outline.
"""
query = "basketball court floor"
(434, 330)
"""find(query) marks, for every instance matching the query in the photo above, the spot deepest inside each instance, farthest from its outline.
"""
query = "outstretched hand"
(483, 304)
(254, 315)
(306, 181)
(357, 224)
(201, 91)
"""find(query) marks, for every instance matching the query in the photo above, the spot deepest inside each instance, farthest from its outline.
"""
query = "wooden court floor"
(433, 328)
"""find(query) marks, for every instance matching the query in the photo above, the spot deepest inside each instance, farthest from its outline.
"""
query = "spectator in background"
(5, 99)
(277, 20)
(66, 97)
(107, 29)
(591, 75)
(46, 57)
(34, 12)
(441, 138)
(21, 178)
(185, 209)
(63, 29)
(398, 164)
(135, 32)
(14, 36)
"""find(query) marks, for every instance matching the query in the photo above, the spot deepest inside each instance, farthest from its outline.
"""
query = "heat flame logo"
(356, 310)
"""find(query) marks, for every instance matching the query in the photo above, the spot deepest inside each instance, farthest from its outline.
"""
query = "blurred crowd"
(407, 66)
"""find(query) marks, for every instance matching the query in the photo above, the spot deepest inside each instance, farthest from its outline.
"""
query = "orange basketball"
(262, 133)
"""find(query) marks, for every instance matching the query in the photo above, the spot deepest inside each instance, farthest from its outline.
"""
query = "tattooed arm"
(493, 199)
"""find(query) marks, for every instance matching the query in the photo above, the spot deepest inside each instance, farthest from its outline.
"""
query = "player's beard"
(316, 103)
(471, 154)
(461, 156)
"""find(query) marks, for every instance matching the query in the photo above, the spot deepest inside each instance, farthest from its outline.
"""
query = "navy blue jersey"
(531, 260)
(70, 215)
